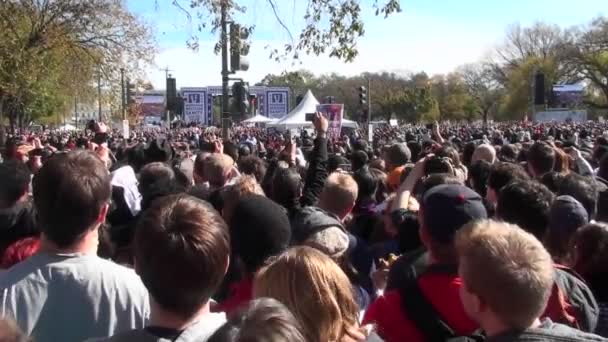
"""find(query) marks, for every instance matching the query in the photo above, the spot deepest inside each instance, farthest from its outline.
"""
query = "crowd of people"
(429, 233)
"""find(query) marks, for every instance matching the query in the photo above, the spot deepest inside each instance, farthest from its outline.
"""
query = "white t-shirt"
(72, 297)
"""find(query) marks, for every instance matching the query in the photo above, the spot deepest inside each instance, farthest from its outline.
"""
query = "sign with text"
(195, 108)
(277, 103)
(334, 113)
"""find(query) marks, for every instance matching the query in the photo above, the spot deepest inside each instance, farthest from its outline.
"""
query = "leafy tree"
(52, 50)
(587, 53)
(484, 91)
(332, 26)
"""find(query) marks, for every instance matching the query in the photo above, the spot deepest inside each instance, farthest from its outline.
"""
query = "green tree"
(331, 26)
(52, 50)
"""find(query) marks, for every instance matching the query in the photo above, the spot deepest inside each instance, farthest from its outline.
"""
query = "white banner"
(195, 108)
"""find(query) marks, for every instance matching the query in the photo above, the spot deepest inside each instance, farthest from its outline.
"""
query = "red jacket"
(440, 289)
(240, 294)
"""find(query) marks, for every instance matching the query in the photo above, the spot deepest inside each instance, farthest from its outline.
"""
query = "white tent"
(67, 127)
(258, 119)
(297, 117)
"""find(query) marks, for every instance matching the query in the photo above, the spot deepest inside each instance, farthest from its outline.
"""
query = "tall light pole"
(99, 95)
(225, 72)
(123, 94)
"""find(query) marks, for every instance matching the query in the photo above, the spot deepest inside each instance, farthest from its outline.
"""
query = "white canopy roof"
(297, 117)
(258, 119)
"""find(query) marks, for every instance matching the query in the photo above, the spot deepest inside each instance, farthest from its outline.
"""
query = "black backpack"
(423, 314)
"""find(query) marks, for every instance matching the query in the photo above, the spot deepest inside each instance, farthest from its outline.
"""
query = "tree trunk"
(2, 133)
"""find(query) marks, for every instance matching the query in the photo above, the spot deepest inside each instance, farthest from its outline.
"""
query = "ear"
(103, 212)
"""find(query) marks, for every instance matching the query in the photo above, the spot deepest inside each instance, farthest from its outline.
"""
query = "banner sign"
(277, 103)
(334, 113)
(195, 108)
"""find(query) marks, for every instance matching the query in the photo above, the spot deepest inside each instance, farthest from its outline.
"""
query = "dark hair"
(69, 192)
(467, 152)
(253, 166)
(508, 153)
(367, 183)
(14, 181)
(526, 203)
(502, 174)
(603, 171)
(263, 320)
(157, 180)
(232, 150)
(182, 247)
(479, 173)
(286, 187)
(438, 179)
(451, 153)
(552, 180)
(398, 154)
(415, 149)
(583, 189)
(590, 244)
(437, 164)
(541, 157)
(359, 160)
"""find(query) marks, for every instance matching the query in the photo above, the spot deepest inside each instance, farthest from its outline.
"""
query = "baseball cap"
(567, 215)
(448, 207)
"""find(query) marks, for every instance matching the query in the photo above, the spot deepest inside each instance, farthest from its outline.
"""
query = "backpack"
(423, 314)
(572, 303)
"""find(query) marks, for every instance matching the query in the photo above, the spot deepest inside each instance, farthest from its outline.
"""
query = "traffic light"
(130, 93)
(362, 95)
(240, 94)
(239, 48)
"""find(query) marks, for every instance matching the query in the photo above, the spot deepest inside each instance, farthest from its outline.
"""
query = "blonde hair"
(216, 169)
(506, 267)
(314, 289)
(231, 195)
(339, 193)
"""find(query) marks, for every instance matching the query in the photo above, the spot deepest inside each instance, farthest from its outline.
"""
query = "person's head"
(253, 166)
(443, 211)
(541, 159)
(527, 204)
(157, 180)
(479, 173)
(359, 160)
(286, 187)
(71, 197)
(314, 288)
(263, 320)
(339, 194)
(231, 150)
(566, 217)
(217, 169)
(552, 180)
(603, 170)
(378, 164)
(182, 248)
(484, 152)
(589, 250)
(506, 272)
(583, 189)
(14, 183)
(367, 184)
(562, 161)
(259, 229)
(199, 167)
(436, 179)
(508, 153)
(231, 194)
(315, 227)
(502, 174)
(397, 155)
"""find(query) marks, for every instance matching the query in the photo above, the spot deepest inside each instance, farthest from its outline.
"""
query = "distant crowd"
(440, 232)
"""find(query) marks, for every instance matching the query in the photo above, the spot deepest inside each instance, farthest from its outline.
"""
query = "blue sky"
(431, 35)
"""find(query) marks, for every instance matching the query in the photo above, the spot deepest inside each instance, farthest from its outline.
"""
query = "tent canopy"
(297, 117)
(258, 119)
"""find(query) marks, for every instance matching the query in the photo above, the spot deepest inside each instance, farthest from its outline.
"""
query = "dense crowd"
(460, 232)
